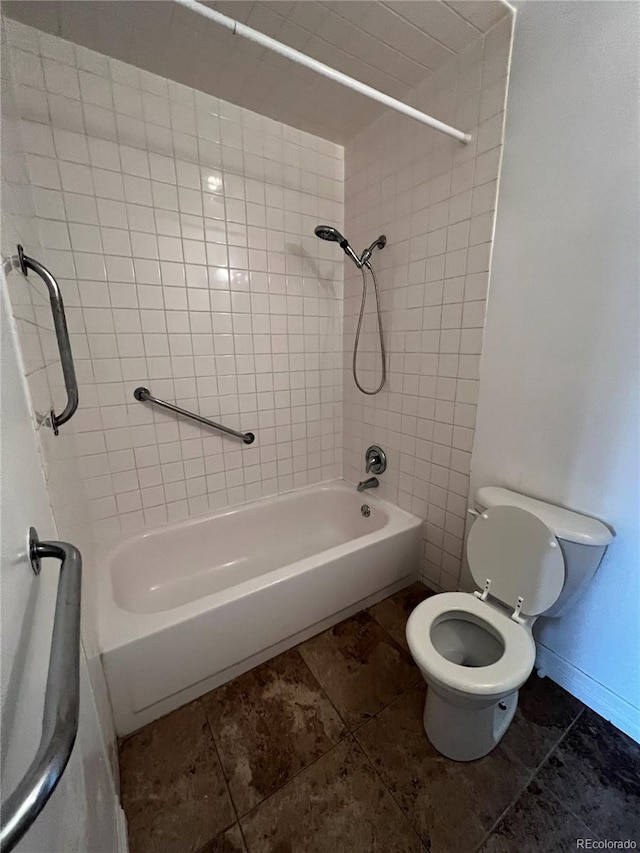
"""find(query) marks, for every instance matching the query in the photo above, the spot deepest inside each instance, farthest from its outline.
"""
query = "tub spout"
(371, 483)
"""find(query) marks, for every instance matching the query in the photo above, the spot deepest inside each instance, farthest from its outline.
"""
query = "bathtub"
(188, 606)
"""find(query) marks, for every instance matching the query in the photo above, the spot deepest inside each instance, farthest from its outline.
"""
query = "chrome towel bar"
(62, 697)
(143, 395)
(62, 335)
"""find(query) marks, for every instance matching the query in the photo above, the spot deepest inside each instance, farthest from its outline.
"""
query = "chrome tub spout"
(371, 483)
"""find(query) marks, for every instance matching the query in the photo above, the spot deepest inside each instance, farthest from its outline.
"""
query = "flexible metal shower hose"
(357, 340)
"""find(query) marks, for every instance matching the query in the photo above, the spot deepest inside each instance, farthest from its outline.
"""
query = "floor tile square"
(337, 805)
(537, 823)
(268, 725)
(173, 790)
(451, 804)
(595, 772)
(545, 711)
(360, 667)
(392, 613)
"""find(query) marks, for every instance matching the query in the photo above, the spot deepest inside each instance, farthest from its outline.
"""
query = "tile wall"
(29, 303)
(435, 201)
(180, 228)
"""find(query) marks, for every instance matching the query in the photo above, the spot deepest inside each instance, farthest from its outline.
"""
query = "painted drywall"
(558, 410)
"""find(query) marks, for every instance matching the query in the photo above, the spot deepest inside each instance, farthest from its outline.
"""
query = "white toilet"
(475, 650)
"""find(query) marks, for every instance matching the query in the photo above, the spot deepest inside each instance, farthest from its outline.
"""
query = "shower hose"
(357, 340)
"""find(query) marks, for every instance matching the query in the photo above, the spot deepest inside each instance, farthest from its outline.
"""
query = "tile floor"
(322, 750)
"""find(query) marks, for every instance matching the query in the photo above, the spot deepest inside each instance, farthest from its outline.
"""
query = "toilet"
(475, 650)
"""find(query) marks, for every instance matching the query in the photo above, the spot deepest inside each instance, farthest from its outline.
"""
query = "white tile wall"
(34, 324)
(435, 200)
(180, 228)
(33, 321)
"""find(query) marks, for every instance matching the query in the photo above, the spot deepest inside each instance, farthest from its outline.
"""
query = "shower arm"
(365, 257)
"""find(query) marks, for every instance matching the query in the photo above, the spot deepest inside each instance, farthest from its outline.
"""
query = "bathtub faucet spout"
(371, 483)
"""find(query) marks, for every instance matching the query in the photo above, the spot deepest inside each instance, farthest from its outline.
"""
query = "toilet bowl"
(474, 659)
(475, 650)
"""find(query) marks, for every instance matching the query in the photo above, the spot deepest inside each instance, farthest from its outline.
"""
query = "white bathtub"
(188, 606)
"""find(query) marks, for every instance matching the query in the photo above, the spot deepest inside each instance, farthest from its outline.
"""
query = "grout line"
(242, 835)
(423, 842)
(549, 793)
(295, 776)
(322, 690)
(358, 746)
(507, 809)
(349, 732)
(558, 742)
(412, 686)
(224, 775)
(566, 809)
(345, 737)
(548, 756)
(333, 746)
(533, 775)
(462, 18)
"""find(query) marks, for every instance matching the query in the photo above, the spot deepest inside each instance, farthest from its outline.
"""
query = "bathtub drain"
(365, 509)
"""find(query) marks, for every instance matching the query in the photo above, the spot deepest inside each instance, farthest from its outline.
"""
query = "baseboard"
(622, 714)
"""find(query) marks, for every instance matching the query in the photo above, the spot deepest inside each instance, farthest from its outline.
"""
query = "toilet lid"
(521, 557)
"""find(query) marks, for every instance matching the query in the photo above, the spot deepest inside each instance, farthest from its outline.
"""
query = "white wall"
(434, 198)
(558, 412)
(83, 814)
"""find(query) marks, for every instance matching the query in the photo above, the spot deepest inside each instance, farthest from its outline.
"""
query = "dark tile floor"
(322, 750)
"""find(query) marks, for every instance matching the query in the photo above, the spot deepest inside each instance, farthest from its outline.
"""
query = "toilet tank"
(583, 540)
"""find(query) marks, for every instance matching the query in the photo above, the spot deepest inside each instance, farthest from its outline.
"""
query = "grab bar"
(143, 395)
(62, 697)
(62, 334)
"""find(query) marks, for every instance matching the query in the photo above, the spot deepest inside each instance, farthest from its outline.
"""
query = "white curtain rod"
(243, 30)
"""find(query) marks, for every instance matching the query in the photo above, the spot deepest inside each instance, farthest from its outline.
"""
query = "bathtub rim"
(118, 627)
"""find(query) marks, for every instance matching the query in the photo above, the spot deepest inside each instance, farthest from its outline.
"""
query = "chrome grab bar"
(62, 334)
(62, 697)
(143, 395)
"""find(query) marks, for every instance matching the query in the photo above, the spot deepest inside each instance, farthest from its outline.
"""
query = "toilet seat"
(514, 557)
(503, 676)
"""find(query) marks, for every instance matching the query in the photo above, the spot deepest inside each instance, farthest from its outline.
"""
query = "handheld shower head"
(328, 232)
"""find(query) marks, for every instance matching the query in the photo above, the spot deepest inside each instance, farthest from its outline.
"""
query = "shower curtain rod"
(249, 33)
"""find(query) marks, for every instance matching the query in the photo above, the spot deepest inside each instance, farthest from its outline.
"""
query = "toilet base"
(466, 732)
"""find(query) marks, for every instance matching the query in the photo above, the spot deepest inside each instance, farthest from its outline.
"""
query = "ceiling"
(392, 46)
